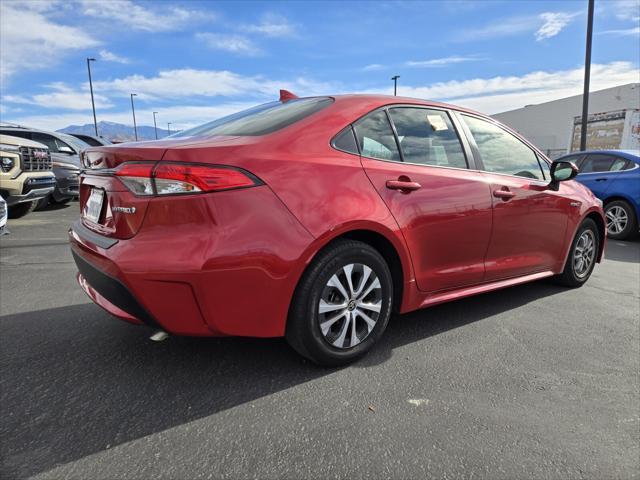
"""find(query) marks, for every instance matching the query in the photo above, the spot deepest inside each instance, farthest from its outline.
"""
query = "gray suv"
(65, 157)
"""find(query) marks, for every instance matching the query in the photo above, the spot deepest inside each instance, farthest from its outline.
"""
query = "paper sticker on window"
(437, 122)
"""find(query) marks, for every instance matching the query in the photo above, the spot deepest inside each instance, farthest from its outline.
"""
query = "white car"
(3, 215)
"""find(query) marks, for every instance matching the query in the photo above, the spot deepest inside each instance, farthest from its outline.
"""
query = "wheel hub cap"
(584, 254)
(616, 220)
(350, 305)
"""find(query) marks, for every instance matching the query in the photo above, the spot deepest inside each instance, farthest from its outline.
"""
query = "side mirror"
(562, 171)
(65, 149)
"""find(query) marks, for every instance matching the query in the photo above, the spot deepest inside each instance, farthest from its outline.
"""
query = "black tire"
(64, 201)
(303, 326)
(21, 209)
(631, 227)
(569, 277)
(43, 203)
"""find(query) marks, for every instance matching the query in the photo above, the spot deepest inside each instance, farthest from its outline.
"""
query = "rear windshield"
(260, 120)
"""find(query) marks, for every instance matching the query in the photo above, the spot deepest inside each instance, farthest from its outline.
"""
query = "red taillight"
(165, 178)
(205, 178)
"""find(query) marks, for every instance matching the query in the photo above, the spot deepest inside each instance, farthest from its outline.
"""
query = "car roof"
(378, 100)
(628, 154)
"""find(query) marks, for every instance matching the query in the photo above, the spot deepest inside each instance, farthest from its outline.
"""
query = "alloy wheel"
(584, 254)
(350, 305)
(617, 220)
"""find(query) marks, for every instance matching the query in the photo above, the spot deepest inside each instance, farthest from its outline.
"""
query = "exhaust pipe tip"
(159, 336)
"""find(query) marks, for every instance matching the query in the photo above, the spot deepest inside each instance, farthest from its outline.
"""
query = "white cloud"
(553, 24)
(181, 83)
(272, 25)
(108, 56)
(497, 94)
(229, 43)
(140, 17)
(502, 27)
(441, 62)
(545, 25)
(61, 97)
(31, 41)
(626, 10)
(373, 67)
(622, 32)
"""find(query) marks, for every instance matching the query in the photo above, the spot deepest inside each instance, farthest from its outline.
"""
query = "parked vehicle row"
(614, 177)
(39, 167)
(315, 218)
(26, 175)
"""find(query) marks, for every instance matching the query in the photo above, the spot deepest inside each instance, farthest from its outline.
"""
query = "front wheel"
(21, 209)
(342, 304)
(621, 220)
(582, 256)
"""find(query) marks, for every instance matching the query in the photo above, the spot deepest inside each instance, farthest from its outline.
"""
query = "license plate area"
(93, 207)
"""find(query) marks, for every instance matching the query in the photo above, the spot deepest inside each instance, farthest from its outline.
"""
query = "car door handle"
(503, 194)
(403, 185)
(601, 179)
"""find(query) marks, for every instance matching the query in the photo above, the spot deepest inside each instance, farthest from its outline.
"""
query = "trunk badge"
(124, 209)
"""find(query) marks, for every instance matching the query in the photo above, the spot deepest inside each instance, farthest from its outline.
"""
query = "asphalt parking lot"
(531, 382)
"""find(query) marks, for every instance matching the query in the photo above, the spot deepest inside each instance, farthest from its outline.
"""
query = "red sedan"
(316, 218)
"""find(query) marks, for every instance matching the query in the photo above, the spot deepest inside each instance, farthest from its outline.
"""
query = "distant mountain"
(116, 132)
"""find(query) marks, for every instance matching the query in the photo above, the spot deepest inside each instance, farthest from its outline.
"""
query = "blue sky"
(194, 61)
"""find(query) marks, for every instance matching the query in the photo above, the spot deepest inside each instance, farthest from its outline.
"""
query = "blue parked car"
(614, 177)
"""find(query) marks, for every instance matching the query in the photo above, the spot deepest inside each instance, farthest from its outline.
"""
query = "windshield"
(260, 120)
(76, 143)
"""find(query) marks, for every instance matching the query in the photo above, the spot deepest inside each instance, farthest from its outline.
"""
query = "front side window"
(375, 137)
(602, 163)
(501, 152)
(427, 137)
(260, 120)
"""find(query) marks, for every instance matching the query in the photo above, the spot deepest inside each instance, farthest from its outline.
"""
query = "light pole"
(155, 126)
(93, 105)
(133, 110)
(587, 76)
(169, 128)
(395, 84)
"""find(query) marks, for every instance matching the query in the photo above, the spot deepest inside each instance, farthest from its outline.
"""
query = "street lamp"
(169, 128)
(155, 127)
(93, 105)
(133, 110)
(587, 77)
(395, 84)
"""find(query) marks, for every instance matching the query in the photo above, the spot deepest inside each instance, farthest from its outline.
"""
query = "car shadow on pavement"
(619, 251)
(74, 381)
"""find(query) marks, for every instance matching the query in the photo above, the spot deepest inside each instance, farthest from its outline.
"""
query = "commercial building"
(550, 125)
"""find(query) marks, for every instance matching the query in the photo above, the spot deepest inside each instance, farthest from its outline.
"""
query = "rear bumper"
(110, 293)
(206, 265)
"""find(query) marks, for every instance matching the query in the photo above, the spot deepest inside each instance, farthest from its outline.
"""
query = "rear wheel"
(21, 209)
(621, 220)
(342, 304)
(582, 257)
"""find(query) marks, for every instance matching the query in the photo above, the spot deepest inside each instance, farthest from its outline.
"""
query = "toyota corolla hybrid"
(316, 218)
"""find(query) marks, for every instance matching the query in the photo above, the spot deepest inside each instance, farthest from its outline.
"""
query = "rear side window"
(375, 137)
(602, 163)
(501, 152)
(260, 120)
(427, 137)
(346, 141)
